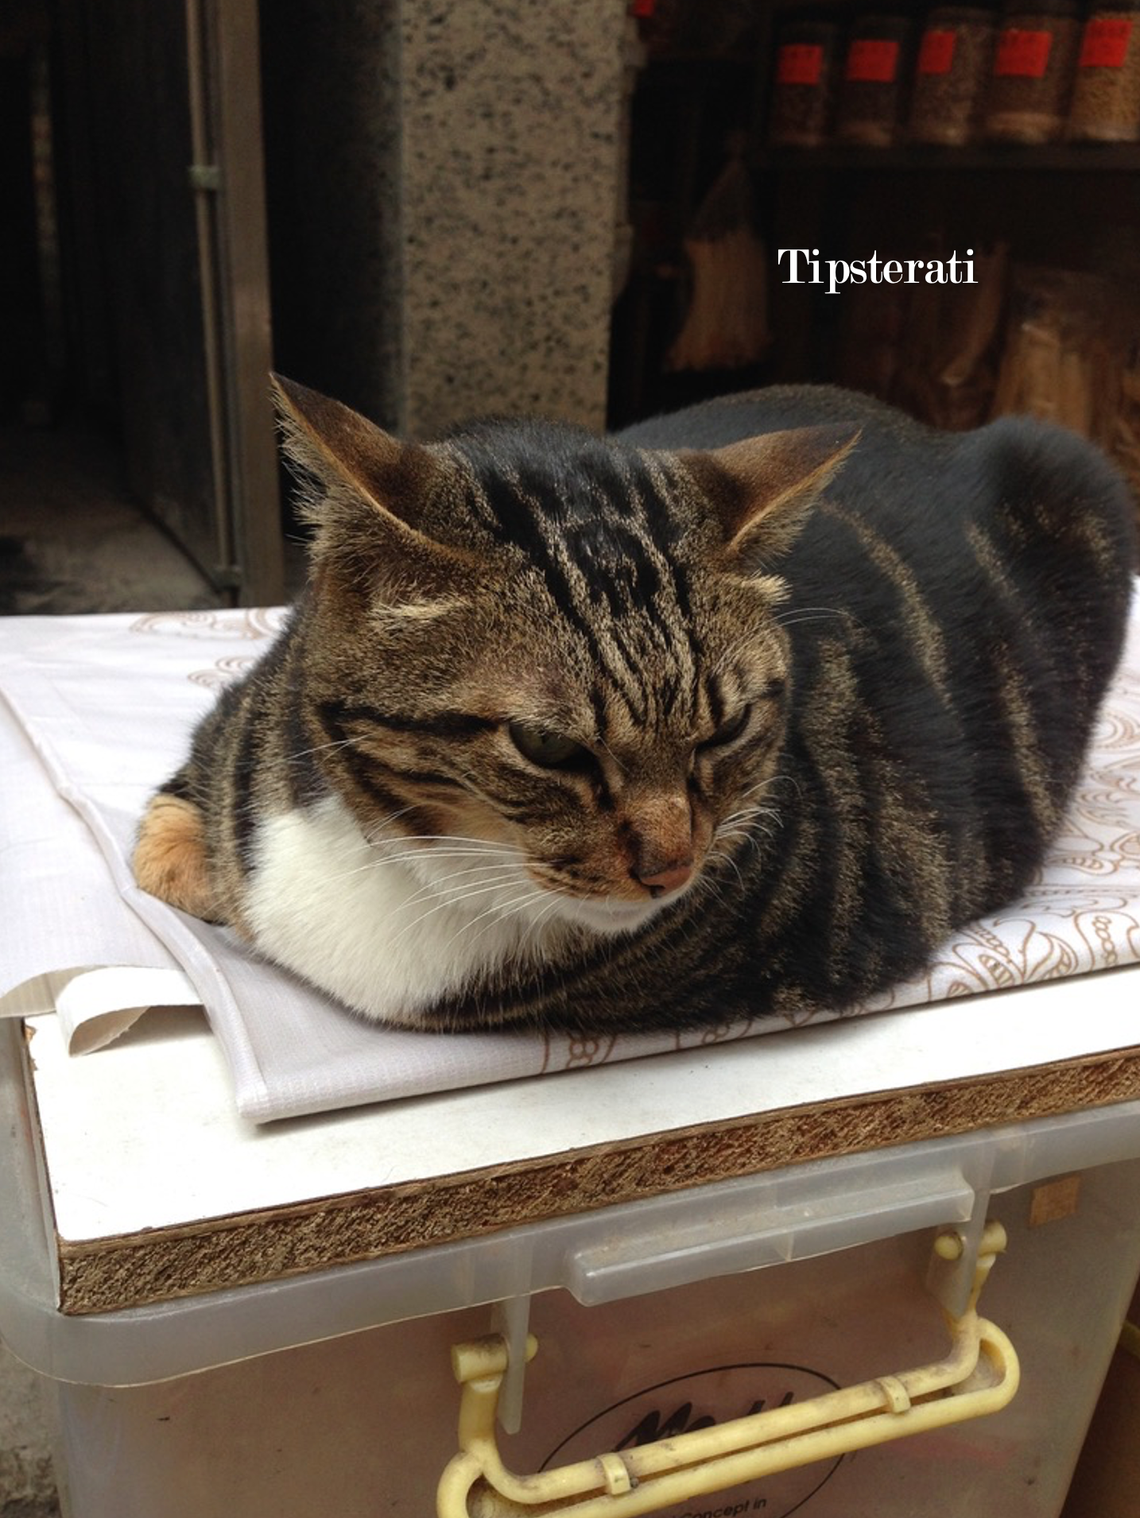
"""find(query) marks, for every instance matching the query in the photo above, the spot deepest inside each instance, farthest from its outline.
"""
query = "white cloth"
(97, 712)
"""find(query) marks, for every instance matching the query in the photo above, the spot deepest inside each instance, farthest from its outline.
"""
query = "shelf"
(1108, 157)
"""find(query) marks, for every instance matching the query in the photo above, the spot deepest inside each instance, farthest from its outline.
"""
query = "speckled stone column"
(510, 157)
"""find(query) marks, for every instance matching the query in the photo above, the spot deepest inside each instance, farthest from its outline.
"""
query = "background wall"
(511, 120)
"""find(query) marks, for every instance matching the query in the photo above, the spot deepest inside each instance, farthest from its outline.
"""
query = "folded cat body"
(744, 710)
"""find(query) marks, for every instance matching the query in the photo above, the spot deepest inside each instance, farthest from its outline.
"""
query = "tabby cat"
(741, 711)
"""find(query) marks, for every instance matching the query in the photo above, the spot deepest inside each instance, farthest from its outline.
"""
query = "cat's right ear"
(364, 491)
(763, 488)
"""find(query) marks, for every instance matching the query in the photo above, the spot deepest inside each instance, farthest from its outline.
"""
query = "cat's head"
(554, 643)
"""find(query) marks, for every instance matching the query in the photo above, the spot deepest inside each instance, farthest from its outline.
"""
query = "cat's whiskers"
(377, 837)
(779, 778)
(742, 830)
(710, 886)
(740, 841)
(540, 919)
(744, 816)
(745, 804)
(419, 856)
(602, 744)
(420, 847)
(480, 845)
(435, 908)
(453, 901)
(380, 861)
(318, 748)
(718, 666)
(435, 887)
(806, 614)
(500, 912)
(769, 782)
(729, 858)
(372, 833)
(749, 808)
(731, 844)
(423, 860)
(745, 833)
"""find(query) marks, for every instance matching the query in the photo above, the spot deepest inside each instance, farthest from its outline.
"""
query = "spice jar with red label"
(951, 74)
(1106, 94)
(876, 72)
(803, 90)
(1033, 71)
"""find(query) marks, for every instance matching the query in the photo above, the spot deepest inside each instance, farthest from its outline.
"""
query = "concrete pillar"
(444, 185)
(511, 150)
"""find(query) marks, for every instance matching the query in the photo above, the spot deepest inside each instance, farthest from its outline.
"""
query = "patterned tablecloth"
(96, 713)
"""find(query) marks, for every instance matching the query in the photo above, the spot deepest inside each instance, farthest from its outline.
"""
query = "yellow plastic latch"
(978, 1376)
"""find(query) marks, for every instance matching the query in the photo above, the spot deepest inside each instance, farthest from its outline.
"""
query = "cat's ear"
(367, 497)
(774, 480)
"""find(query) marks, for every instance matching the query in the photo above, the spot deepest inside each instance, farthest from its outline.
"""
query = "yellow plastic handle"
(978, 1376)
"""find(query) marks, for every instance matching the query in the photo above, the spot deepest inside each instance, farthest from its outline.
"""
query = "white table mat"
(97, 711)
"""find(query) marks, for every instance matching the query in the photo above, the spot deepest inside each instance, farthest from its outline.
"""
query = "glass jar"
(1033, 71)
(952, 72)
(1106, 94)
(875, 73)
(803, 90)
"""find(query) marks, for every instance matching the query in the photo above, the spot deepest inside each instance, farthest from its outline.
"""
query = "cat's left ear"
(368, 505)
(773, 481)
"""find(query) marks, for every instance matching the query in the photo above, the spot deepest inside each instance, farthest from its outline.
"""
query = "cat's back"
(956, 604)
(956, 516)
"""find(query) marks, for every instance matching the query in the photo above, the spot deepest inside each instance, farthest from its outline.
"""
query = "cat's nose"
(660, 880)
(661, 842)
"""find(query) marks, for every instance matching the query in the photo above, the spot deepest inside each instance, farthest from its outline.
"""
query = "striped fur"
(742, 711)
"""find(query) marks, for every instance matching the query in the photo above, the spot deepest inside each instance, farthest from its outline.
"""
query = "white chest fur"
(389, 928)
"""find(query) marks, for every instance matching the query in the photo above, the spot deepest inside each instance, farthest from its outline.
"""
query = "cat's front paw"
(170, 856)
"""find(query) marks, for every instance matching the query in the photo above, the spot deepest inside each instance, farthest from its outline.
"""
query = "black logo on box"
(703, 1399)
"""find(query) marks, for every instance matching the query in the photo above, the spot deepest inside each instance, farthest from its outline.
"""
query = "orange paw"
(170, 856)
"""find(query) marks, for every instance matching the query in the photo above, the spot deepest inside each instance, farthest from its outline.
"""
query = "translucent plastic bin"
(333, 1393)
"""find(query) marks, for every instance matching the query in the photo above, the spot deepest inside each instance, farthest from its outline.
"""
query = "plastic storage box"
(334, 1392)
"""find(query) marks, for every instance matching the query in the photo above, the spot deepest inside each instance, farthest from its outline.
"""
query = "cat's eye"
(729, 731)
(553, 751)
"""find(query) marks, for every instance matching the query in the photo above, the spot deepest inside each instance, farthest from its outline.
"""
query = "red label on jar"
(1105, 44)
(1023, 54)
(799, 63)
(936, 55)
(873, 62)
